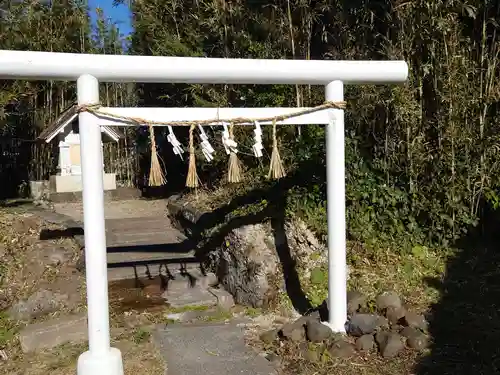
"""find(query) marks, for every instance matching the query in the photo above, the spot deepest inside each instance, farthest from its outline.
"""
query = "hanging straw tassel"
(156, 175)
(192, 176)
(234, 170)
(276, 169)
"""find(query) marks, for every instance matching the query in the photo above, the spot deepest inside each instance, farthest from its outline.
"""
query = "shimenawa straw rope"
(95, 109)
(157, 176)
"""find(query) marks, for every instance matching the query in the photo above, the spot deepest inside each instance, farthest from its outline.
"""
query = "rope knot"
(88, 108)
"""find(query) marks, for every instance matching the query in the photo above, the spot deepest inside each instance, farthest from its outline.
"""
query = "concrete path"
(209, 349)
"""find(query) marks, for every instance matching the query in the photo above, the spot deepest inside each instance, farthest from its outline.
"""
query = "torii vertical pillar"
(100, 358)
(336, 215)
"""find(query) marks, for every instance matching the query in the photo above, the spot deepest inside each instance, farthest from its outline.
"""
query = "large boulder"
(246, 259)
(248, 265)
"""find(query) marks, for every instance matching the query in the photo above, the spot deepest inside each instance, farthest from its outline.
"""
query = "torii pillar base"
(110, 363)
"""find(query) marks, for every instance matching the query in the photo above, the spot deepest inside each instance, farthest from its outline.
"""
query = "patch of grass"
(140, 335)
(253, 312)
(219, 315)
(8, 330)
(178, 310)
(138, 358)
(317, 290)
(373, 270)
(325, 364)
(137, 351)
(284, 301)
(63, 356)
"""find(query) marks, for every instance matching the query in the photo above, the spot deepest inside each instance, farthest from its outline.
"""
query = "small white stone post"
(64, 159)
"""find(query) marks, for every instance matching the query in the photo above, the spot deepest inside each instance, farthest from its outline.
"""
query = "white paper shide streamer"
(257, 147)
(206, 147)
(176, 145)
(229, 144)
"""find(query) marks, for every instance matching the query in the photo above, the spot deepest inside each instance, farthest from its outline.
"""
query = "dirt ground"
(29, 264)
(457, 289)
(138, 358)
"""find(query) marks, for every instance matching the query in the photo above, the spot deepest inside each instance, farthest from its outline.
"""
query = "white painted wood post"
(336, 211)
(100, 358)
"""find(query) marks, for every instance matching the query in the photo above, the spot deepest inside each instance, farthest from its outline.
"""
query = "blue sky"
(119, 14)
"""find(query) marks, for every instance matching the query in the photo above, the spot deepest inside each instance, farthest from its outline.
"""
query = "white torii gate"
(88, 70)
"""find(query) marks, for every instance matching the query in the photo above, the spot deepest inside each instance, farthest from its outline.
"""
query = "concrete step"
(148, 256)
(149, 268)
(179, 297)
(191, 278)
(184, 277)
(54, 332)
(209, 349)
(183, 297)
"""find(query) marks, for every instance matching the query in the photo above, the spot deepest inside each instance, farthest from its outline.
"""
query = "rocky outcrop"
(248, 259)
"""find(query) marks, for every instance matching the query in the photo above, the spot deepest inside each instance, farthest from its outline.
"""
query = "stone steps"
(147, 247)
(141, 250)
(139, 247)
(181, 274)
(180, 294)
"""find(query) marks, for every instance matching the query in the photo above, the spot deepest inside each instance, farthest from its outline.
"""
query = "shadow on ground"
(18, 202)
(465, 323)
(53, 234)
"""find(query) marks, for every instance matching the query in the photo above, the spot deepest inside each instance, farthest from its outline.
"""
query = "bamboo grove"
(422, 158)
(27, 107)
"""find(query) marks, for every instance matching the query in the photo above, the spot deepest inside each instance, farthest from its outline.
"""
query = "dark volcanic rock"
(395, 314)
(388, 299)
(293, 332)
(354, 301)
(415, 339)
(342, 349)
(269, 337)
(390, 344)
(365, 324)
(317, 332)
(365, 343)
(415, 320)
